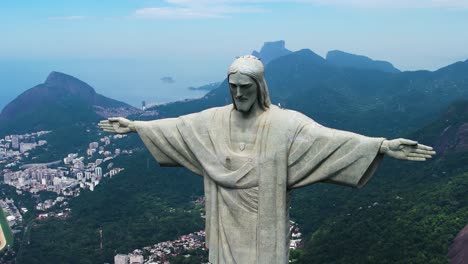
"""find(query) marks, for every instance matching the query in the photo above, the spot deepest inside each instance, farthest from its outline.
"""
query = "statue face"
(244, 91)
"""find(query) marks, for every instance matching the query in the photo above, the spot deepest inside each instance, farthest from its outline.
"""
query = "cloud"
(199, 9)
(167, 79)
(173, 13)
(188, 9)
(413, 4)
(346, 3)
(66, 18)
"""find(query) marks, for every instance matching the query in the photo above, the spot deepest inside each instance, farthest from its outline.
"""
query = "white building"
(26, 147)
(21, 182)
(98, 171)
(121, 259)
(78, 165)
(90, 152)
(14, 141)
(7, 177)
(93, 145)
(57, 181)
(79, 176)
(136, 259)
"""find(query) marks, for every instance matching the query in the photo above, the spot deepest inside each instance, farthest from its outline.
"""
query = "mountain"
(271, 51)
(343, 59)
(206, 87)
(62, 100)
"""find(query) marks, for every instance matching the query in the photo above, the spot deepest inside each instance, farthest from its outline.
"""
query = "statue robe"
(247, 210)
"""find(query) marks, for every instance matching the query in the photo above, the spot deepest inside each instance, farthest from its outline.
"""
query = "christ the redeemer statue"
(251, 155)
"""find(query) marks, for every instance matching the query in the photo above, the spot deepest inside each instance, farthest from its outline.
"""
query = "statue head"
(247, 84)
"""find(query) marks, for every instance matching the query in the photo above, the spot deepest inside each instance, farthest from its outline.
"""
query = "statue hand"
(406, 149)
(117, 125)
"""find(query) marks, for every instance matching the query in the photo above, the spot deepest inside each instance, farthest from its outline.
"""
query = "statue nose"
(238, 93)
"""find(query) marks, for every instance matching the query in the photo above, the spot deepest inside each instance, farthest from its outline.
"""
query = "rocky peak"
(68, 83)
(271, 50)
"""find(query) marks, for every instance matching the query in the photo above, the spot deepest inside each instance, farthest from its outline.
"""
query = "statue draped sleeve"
(321, 154)
(167, 145)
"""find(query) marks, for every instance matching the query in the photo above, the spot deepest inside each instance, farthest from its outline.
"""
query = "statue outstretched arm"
(117, 125)
(406, 149)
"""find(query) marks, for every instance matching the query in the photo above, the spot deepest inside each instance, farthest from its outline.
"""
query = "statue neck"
(253, 113)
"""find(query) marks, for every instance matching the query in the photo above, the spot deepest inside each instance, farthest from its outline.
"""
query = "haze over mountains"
(409, 212)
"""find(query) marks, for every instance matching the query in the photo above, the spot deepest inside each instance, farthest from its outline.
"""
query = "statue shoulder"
(207, 114)
(290, 116)
(212, 112)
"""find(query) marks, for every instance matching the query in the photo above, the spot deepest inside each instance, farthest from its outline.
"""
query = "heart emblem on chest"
(241, 146)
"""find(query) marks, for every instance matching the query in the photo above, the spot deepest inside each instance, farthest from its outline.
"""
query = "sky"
(135, 50)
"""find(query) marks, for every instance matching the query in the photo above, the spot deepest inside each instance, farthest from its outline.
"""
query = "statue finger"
(114, 119)
(104, 122)
(109, 130)
(416, 159)
(418, 155)
(421, 146)
(422, 151)
(408, 142)
(106, 127)
(415, 155)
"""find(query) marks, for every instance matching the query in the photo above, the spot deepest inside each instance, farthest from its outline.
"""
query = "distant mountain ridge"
(61, 100)
(206, 87)
(343, 59)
